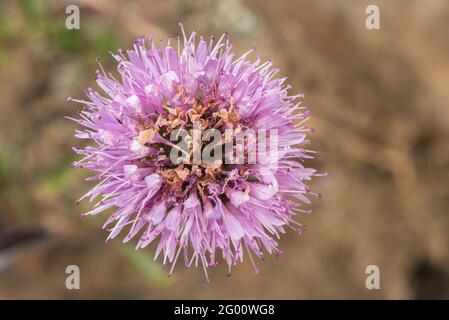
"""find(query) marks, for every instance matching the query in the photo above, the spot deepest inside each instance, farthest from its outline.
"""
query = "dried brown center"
(179, 179)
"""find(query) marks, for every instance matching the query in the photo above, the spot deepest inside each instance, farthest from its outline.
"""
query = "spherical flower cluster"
(197, 210)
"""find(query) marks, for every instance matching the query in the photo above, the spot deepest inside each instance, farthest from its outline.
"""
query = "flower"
(195, 209)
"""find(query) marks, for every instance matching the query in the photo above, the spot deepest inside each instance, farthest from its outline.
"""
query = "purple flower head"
(195, 209)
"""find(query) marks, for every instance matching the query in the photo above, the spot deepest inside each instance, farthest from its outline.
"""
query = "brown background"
(379, 104)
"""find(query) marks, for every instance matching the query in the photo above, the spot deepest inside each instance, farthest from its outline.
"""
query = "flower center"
(184, 132)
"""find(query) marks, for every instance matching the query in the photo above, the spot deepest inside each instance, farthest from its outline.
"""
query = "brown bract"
(229, 117)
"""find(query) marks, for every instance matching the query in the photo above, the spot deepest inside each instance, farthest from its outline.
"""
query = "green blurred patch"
(6, 32)
(92, 39)
(142, 262)
(33, 10)
(68, 41)
(88, 41)
(20, 205)
(61, 177)
(13, 196)
(7, 166)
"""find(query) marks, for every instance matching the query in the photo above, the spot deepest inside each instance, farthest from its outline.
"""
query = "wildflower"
(196, 210)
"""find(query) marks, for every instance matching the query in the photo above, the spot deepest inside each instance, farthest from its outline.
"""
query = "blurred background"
(379, 102)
